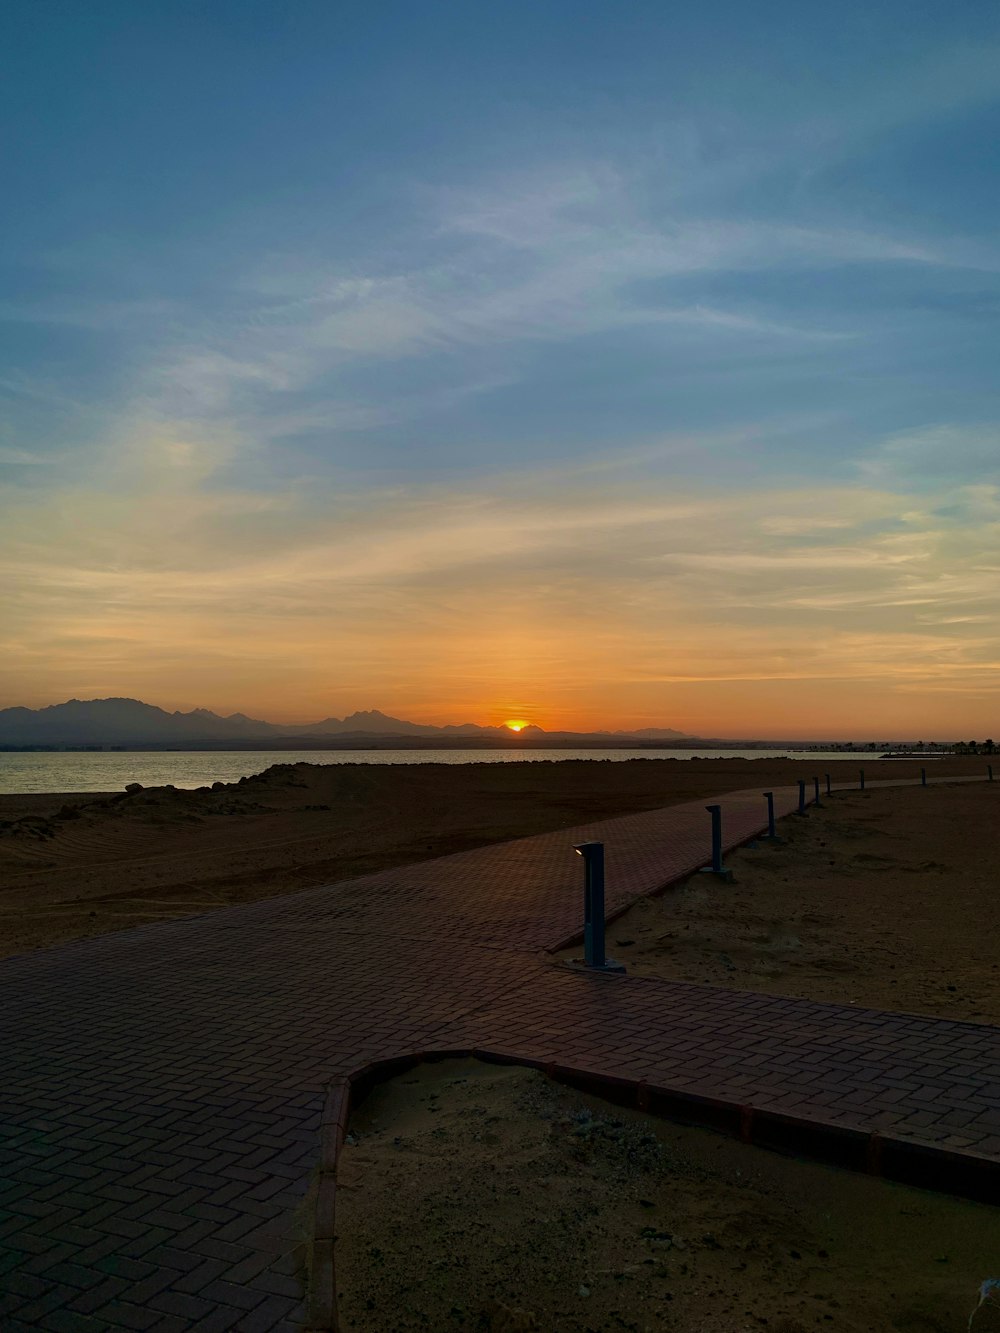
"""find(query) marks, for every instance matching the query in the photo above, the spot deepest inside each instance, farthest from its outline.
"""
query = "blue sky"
(284, 284)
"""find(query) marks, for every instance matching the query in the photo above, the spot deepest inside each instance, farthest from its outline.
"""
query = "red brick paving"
(162, 1108)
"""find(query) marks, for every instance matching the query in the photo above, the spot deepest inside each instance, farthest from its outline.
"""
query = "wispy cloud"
(95, 313)
(935, 454)
(575, 276)
(22, 457)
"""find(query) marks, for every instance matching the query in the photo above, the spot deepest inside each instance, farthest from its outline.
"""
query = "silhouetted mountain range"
(130, 722)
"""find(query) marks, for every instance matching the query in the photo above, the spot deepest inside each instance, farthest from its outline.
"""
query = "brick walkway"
(165, 1089)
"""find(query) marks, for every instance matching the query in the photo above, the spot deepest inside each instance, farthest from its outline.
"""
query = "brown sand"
(480, 1197)
(79, 865)
(883, 898)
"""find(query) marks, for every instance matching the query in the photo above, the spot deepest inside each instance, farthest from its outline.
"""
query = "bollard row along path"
(172, 1096)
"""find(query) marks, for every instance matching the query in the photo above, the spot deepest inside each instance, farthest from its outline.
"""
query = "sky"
(616, 364)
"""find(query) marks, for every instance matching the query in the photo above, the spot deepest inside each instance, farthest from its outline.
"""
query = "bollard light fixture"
(771, 835)
(717, 868)
(594, 956)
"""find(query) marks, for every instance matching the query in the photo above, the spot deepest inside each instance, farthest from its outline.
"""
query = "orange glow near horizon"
(852, 613)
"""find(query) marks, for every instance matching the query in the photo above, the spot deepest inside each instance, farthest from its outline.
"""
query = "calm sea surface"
(22, 773)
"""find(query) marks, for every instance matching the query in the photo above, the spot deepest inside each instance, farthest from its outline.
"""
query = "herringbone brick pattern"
(163, 1087)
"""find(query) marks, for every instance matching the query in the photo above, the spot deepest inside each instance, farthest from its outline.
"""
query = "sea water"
(110, 770)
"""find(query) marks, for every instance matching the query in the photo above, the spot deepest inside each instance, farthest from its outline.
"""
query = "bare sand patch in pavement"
(478, 1197)
(886, 898)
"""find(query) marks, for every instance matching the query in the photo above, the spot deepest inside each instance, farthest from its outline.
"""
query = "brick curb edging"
(729, 845)
(569, 941)
(734, 844)
(903, 1161)
(322, 1295)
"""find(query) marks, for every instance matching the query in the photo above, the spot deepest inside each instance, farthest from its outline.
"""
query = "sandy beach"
(72, 866)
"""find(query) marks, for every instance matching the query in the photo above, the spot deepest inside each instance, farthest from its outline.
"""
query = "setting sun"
(515, 725)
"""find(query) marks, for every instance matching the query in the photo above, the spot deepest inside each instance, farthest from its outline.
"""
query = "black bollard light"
(861, 775)
(717, 868)
(829, 788)
(716, 812)
(802, 798)
(816, 800)
(989, 770)
(593, 907)
(923, 777)
(771, 833)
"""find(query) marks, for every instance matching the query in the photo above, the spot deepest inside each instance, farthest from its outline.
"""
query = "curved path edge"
(904, 1161)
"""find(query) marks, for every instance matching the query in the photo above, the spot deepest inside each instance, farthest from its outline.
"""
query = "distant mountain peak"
(122, 721)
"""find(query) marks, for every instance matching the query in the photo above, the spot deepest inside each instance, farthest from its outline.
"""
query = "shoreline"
(70, 774)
